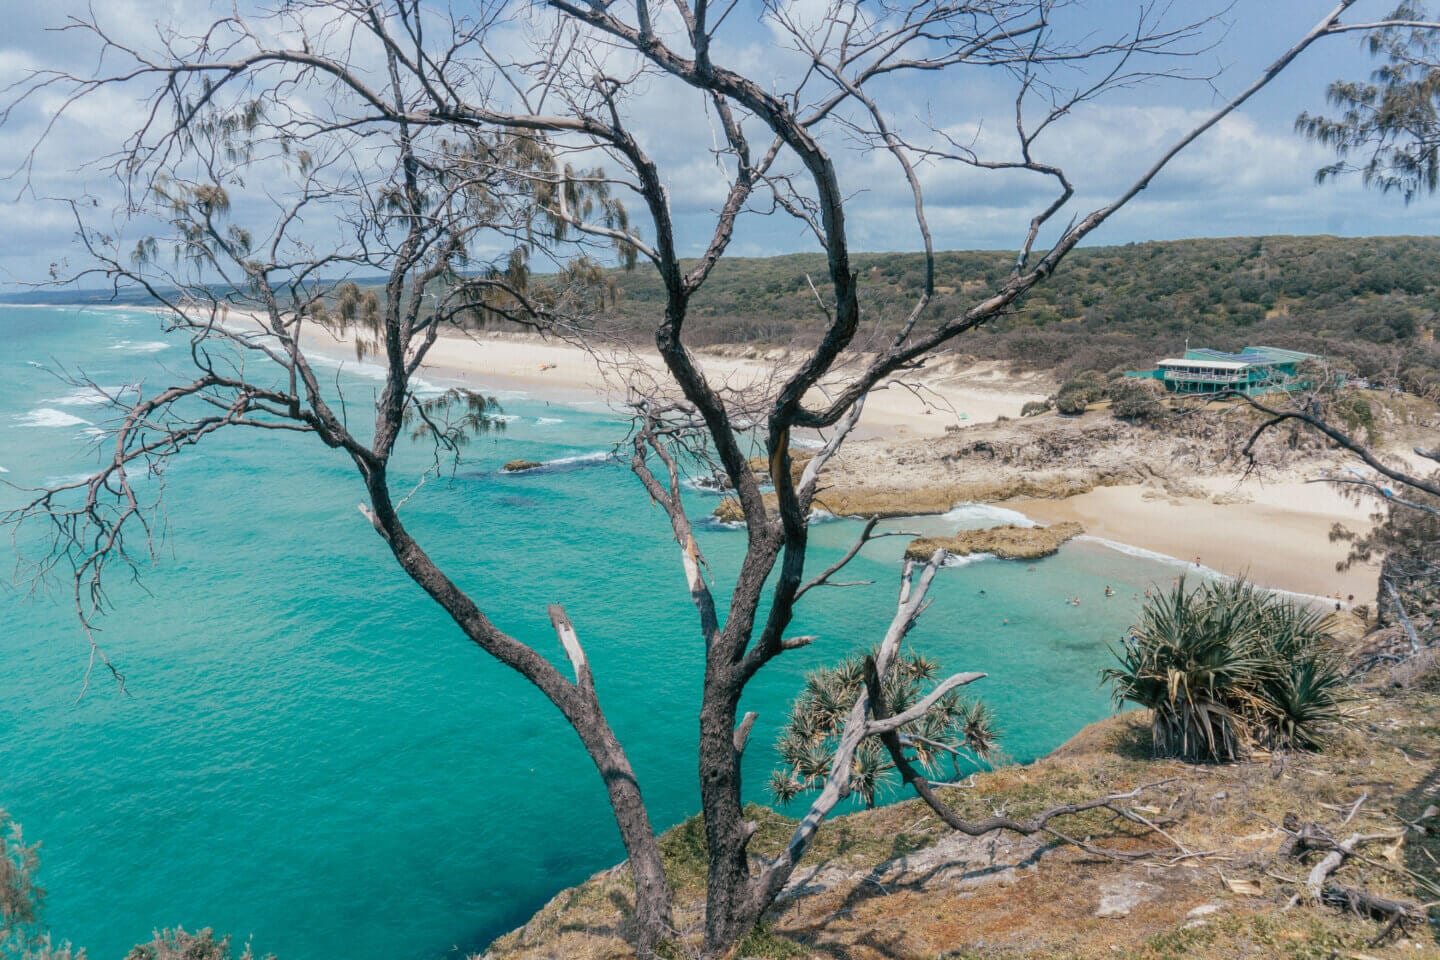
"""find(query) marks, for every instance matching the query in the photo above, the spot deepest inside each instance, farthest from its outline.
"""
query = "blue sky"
(1251, 175)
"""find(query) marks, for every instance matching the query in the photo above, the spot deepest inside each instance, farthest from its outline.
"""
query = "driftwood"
(1311, 837)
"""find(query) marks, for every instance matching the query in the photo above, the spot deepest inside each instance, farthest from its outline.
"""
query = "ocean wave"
(3, 470)
(807, 443)
(1194, 568)
(985, 515)
(505, 417)
(597, 456)
(88, 396)
(563, 464)
(547, 421)
(144, 346)
(952, 560)
(1134, 551)
(710, 486)
(65, 480)
(49, 417)
(371, 371)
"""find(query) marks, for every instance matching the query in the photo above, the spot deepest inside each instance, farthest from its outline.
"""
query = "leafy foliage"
(1367, 301)
(453, 418)
(955, 736)
(178, 945)
(1225, 667)
(1132, 398)
(1406, 541)
(1392, 122)
(20, 895)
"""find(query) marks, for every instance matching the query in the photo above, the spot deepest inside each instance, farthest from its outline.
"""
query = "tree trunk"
(726, 833)
(580, 706)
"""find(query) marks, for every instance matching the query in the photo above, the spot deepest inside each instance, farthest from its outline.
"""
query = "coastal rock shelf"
(520, 466)
(1009, 542)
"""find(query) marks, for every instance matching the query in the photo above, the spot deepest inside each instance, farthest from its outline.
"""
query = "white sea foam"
(88, 396)
(546, 421)
(807, 443)
(49, 417)
(1194, 568)
(706, 485)
(595, 457)
(952, 560)
(1134, 551)
(985, 515)
(3, 470)
(65, 480)
(371, 371)
(505, 417)
(143, 346)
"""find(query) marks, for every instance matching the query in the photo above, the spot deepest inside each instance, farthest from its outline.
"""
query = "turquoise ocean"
(312, 758)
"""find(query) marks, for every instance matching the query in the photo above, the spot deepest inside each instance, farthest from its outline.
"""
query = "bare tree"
(427, 137)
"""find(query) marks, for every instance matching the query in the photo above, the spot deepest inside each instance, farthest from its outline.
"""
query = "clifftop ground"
(894, 884)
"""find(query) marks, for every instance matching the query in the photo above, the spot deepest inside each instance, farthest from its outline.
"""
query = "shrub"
(1034, 408)
(178, 945)
(1133, 398)
(1228, 666)
(954, 737)
(1088, 384)
(1071, 404)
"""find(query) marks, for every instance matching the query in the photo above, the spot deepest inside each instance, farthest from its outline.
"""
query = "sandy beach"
(948, 394)
(1280, 539)
(1278, 534)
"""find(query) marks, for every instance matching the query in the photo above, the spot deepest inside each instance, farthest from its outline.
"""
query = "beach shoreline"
(1276, 532)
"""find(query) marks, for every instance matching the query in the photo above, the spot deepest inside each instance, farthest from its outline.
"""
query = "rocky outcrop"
(1008, 542)
(520, 466)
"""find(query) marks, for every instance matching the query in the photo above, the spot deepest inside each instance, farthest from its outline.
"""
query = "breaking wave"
(143, 346)
(49, 417)
(985, 515)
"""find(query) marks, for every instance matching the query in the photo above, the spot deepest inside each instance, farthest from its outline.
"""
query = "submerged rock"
(1008, 542)
(519, 466)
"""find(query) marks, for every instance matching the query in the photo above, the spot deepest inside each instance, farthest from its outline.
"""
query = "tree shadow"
(1422, 847)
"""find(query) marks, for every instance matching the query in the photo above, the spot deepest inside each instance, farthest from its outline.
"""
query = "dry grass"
(893, 884)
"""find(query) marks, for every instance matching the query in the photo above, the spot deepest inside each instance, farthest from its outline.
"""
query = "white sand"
(1281, 539)
(495, 361)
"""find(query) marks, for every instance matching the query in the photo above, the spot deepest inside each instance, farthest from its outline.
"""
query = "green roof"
(1258, 356)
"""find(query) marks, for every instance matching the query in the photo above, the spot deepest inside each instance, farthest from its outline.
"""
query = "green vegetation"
(951, 739)
(23, 937)
(1226, 667)
(1368, 302)
(1134, 399)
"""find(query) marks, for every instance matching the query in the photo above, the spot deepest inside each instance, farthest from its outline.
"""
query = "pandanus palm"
(1226, 666)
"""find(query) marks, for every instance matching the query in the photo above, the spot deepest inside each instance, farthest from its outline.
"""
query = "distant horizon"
(54, 292)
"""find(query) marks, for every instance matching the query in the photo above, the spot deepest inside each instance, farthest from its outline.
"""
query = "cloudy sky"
(1250, 175)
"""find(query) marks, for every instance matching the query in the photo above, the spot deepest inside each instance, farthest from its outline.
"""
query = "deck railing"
(1197, 376)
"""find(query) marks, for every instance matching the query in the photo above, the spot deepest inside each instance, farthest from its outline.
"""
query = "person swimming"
(1108, 591)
